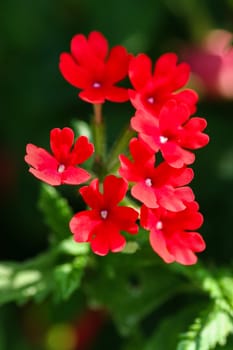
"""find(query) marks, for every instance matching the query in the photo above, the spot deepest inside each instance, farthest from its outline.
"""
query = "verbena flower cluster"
(163, 123)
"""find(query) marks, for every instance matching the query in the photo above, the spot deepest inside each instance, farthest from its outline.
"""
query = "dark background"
(35, 98)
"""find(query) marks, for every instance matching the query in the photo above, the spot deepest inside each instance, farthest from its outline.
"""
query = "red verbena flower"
(155, 186)
(172, 133)
(152, 90)
(171, 234)
(102, 224)
(61, 166)
(92, 69)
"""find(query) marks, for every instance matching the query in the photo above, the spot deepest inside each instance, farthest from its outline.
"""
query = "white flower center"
(151, 100)
(104, 214)
(96, 85)
(148, 182)
(159, 225)
(61, 168)
(163, 139)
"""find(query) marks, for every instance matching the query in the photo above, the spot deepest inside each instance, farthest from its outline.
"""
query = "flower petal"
(145, 194)
(114, 190)
(124, 218)
(140, 71)
(82, 225)
(92, 195)
(44, 165)
(98, 44)
(117, 94)
(73, 73)
(117, 64)
(74, 176)
(61, 141)
(158, 243)
(82, 150)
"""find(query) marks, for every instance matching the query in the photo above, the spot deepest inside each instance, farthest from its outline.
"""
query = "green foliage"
(173, 324)
(56, 210)
(208, 330)
(44, 275)
(136, 289)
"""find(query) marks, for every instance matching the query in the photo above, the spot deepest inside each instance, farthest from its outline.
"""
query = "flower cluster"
(166, 129)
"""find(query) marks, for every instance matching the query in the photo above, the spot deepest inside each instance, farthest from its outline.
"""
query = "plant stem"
(119, 147)
(99, 136)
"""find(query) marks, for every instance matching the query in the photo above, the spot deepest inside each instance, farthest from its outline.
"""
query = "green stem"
(99, 136)
(119, 147)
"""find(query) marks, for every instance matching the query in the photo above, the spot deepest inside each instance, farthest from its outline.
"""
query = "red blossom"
(101, 225)
(152, 90)
(173, 133)
(61, 166)
(171, 234)
(155, 186)
(94, 70)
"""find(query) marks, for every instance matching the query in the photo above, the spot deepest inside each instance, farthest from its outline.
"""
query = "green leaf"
(68, 277)
(208, 330)
(136, 288)
(44, 275)
(56, 210)
(172, 324)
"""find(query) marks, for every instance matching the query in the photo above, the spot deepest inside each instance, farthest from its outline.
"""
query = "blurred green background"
(35, 98)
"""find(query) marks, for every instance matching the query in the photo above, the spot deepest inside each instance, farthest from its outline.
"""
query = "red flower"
(102, 224)
(171, 234)
(172, 133)
(60, 168)
(154, 89)
(155, 186)
(90, 68)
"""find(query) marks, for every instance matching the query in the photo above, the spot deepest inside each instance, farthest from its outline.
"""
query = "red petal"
(145, 194)
(184, 244)
(185, 194)
(169, 199)
(173, 115)
(91, 195)
(129, 170)
(175, 156)
(50, 176)
(83, 149)
(80, 50)
(117, 64)
(73, 73)
(82, 224)
(61, 141)
(165, 65)
(44, 163)
(181, 76)
(100, 243)
(189, 97)
(114, 190)
(192, 137)
(124, 218)
(141, 152)
(74, 176)
(144, 123)
(158, 243)
(116, 94)
(117, 242)
(98, 44)
(140, 71)
(93, 95)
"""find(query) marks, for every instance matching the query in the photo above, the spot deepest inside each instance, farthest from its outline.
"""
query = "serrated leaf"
(56, 210)
(208, 330)
(171, 324)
